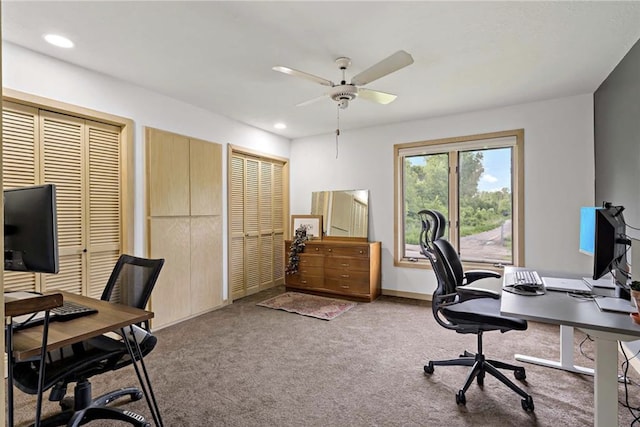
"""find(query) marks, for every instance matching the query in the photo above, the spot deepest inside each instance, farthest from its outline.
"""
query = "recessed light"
(58, 40)
(280, 126)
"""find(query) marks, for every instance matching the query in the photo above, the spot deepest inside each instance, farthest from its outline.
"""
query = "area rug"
(309, 305)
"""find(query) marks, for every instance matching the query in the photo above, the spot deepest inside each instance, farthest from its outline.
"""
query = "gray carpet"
(245, 365)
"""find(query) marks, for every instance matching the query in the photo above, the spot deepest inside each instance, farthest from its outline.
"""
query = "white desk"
(605, 328)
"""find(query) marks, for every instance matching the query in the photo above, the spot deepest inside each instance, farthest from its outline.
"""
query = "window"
(476, 182)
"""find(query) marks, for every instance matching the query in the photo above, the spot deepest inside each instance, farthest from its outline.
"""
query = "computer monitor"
(610, 247)
(30, 229)
(587, 229)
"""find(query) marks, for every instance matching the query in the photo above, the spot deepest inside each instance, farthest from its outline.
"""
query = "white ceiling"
(218, 55)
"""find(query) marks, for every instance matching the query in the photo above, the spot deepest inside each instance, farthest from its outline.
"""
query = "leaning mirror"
(345, 213)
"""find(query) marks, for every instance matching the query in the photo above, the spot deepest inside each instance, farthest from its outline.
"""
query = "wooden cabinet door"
(205, 178)
(169, 238)
(168, 173)
(206, 263)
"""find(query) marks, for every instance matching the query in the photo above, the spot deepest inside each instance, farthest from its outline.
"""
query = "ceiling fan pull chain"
(337, 130)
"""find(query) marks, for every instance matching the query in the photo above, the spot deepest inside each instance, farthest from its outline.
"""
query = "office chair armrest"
(469, 292)
(473, 275)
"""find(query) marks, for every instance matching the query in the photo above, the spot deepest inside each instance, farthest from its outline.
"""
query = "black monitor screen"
(610, 245)
(30, 229)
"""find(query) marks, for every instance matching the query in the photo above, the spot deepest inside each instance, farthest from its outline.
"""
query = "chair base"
(83, 409)
(480, 366)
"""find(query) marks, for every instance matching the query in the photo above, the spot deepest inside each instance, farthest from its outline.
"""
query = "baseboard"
(403, 294)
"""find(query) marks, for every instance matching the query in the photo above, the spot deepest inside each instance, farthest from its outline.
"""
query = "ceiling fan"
(344, 92)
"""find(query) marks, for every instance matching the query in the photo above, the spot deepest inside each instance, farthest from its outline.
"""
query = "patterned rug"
(308, 305)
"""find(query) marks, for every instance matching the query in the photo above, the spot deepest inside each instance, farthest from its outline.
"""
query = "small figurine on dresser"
(297, 246)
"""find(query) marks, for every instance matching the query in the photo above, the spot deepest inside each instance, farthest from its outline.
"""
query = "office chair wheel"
(462, 400)
(520, 374)
(428, 369)
(527, 404)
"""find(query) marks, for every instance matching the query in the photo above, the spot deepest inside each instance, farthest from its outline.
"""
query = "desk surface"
(110, 317)
(560, 308)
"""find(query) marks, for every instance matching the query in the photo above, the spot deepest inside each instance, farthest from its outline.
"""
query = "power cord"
(634, 411)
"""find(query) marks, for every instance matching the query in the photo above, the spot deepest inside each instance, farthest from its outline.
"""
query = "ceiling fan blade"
(311, 101)
(398, 60)
(292, 72)
(376, 96)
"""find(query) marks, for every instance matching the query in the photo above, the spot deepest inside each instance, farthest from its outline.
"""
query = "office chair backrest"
(433, 227)
(448, 256)
(132, 281)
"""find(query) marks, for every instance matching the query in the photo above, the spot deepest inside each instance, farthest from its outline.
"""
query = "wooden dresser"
(347, 269)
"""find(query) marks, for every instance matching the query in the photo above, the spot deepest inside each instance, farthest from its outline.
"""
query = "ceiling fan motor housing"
(344, 93)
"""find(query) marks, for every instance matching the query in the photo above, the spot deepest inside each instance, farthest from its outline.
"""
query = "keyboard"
(70, 310)
(67, 311)
(527, 277)
(524, 282)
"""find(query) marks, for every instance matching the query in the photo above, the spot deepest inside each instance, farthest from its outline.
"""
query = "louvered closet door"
(257, 225)
(278, 224)
(104, 205)
(236, 251)
(20, 168)
(62, 163)
(251, 227)
(83, 159)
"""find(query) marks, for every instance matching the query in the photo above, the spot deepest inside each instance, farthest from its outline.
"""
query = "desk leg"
(566, 355)
(605, 386)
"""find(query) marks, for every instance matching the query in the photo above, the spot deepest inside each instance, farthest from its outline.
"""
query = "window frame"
(455, 145)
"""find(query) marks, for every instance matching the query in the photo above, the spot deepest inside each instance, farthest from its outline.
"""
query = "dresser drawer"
(310, 271)
(344, 275)
(358, 251)
(311, 260)
(304, 281)
(347, 286)
(347, 264)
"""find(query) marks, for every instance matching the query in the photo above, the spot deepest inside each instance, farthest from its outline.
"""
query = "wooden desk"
(110, 317)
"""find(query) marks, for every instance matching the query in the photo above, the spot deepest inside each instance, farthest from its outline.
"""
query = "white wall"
(559, 163)
(30, 72)
(559, 177)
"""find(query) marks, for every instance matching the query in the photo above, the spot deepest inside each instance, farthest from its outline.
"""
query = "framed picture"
(313, 223)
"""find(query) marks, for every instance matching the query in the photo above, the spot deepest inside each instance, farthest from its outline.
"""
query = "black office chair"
(130, 283)
(466, 310)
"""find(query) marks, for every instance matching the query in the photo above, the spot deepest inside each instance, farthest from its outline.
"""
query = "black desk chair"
(466, 310)
(130, 283)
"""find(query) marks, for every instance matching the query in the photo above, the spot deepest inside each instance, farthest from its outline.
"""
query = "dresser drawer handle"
(317, 249)
(344, 286)
(330, 250)
(361, 251)
(344, 264)
(304, 282)
(346, 276)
